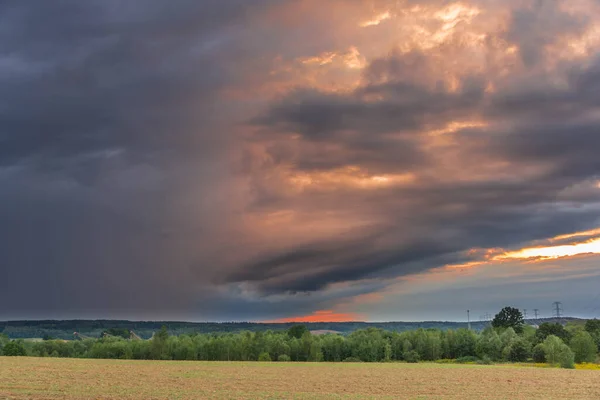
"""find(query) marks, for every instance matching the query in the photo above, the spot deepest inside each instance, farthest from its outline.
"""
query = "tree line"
(63, 329)
(506, 340)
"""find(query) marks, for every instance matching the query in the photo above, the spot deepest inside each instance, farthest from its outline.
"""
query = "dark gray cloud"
(536, 25)
(390, 101)
(109, 137)
(315, 265)
(107, 75)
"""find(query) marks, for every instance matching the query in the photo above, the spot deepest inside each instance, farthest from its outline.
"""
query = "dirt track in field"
(47, 378)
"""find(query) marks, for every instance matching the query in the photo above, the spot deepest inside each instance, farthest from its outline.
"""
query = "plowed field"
(48, 378)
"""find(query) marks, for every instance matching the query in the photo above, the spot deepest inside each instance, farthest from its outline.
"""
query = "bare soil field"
(54, 378)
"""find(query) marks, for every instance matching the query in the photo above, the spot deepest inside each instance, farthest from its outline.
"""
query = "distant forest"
(64, 329)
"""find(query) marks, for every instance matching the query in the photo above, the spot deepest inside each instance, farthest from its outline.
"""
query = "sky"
(279, 160)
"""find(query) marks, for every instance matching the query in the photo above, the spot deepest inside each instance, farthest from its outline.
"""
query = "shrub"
(538, 354)
(352, 359)
(566, 359)
(284, 358)
(467, 359)
(411, 356)
(264, 356)
(588, 366)
(485, 361)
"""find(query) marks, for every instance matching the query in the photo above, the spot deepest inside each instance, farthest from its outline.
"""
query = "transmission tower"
(524, 313)
(536, 312)
(557, 306)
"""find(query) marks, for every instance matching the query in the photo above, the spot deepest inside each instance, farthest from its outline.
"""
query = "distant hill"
(63, 329)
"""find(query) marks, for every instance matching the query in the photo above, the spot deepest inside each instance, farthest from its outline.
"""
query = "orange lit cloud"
(591, 232)
(377, 20)
(592, 246)
(454, 126)
(322, 59)
(350, 58)
(536, 253)
(350, 176)
(321, 316)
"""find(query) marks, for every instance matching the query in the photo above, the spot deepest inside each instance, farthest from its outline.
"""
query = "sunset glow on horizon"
(320, 316)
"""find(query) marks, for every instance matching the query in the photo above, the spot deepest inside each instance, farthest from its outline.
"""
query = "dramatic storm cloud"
(265, 160)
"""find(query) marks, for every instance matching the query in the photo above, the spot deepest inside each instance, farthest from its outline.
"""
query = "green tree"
(465, 341)
(509, 317)
(489, 345)
(182, 348)
(297, 331)
(538, 354)
(518, 350)
(592, 326)
(316, 355)
(14, 348)
(432, 346)
(546, 329)
(406, 346)
(264, 356)
(507, 337)
(3, 341)
(387, 352)
(305, 346)
(333, 348)
(566, 359)
(557, 352)
(552, 347)
(584, 347)
(158, 348)
(367, 345)
(140, 350)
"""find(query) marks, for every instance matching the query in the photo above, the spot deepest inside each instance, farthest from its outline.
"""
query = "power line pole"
(535, 312)
(524, 313)
(468, 319)
(557, 305)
